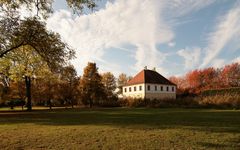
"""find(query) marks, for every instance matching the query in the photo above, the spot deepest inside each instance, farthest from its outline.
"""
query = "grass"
(120, 128)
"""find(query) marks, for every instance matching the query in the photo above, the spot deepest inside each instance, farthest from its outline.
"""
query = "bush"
(217, 101)
(221, 101)
(228, 91)
(110, 102)
(15, 102)
(158, 103)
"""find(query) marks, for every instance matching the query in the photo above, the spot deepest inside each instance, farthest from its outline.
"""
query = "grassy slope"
(120, 128)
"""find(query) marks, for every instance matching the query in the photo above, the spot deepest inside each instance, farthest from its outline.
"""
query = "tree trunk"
(90, 102)
(50, 104)
(28, 93)
(72, 103)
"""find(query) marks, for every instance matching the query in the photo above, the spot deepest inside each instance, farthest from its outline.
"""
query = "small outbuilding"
(151, 85)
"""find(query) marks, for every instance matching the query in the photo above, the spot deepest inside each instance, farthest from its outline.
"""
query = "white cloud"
(139, 24)
(179, 8)
(191, 56)
(171, 44)
(218, 63)
(236, 60)
(142, 24)
(227, 28)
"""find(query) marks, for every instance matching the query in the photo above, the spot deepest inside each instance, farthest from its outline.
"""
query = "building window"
(173, 88)
(130, 89)
(148, 87)
(125, 90)
(155, 88)
(140, 88)
(167, 88)
(161, 88)
(135, 89)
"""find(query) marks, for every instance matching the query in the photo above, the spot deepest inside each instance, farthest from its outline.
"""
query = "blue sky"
(176, 36)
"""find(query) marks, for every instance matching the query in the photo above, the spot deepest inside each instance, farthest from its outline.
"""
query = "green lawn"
(121, 128)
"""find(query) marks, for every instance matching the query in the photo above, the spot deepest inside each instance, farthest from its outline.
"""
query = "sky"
(175, 37)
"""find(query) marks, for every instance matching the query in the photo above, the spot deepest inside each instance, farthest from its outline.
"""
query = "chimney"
(145, 68)
(154, 69)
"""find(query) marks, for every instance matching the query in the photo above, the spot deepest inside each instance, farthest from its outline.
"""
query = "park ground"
(120, 128)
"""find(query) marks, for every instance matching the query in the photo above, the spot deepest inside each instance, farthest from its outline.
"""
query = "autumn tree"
(69, 85)
(230, 75)
(17, 32)
(109, 82)
(91, 86)
(121, 81)
(182, 85)
(199, 80)
(47, 87)
(25, 65)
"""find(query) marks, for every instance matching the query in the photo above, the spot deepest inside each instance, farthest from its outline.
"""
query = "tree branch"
(12, 48)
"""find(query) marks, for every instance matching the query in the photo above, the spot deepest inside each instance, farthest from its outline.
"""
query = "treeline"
(200, 80)
(199, 88)
(61, 88)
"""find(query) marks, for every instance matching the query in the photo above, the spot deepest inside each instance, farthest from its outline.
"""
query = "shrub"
(158, 103)
(221, 101)
(15, 102)
(228, 91)
(131, 102)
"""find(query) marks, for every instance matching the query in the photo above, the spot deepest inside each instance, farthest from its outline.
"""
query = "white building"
(149, 84)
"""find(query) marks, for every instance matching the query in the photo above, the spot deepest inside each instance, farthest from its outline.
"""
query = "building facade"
(149, 84)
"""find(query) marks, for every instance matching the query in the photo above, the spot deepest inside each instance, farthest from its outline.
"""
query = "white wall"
(152, 88)
(136, 94)
(144, 91)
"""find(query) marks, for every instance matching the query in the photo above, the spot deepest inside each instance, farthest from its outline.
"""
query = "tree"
(47, 87)
(44, 7)
(69, 84)
(231, 75)
(109, 82)
(122, 80)
(33, 33)
(181, 83)
(92, 90)
(25, 64)
(16, 33)
(197, 81)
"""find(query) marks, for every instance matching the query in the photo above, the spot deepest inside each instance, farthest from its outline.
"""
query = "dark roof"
(149, 76)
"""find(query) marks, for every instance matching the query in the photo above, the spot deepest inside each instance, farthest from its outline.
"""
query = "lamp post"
(28, 92)
(28, 81)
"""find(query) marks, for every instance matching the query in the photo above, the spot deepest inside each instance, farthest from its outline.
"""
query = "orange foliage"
(197, 81)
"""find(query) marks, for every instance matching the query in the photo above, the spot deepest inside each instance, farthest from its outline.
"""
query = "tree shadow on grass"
(193, 119)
